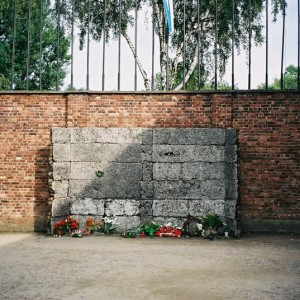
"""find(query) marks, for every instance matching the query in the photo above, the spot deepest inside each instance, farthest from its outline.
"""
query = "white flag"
(168, 4)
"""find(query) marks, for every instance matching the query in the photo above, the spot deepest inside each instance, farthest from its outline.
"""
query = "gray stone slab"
(61, 207)
(231, 171)
(231, 153)
(200, 208)
(122, 207)
(203, 171)
(147, 172)
(230, 136)
(146, 153)
(209, 153)
(189, 136)
(193, 189)
(106, 152)
(230, 209)
(147, 189)
(231, 189)
(60, 188)
(107, 135)
(147, 137)
(84, 206)
(146, 208)
(170, 208)
(167, 171)
(173, 153)
(61, 135)
(127, 222)
(61, 152)
(119, 189)
(112, 171)
(61, 170)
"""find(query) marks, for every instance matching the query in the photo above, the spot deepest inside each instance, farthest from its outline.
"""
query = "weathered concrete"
(163, 174)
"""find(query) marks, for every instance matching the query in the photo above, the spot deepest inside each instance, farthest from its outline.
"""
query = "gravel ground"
(36, 266)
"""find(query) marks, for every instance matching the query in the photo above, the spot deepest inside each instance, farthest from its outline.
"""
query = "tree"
(289, 80)
(185, 60)
(42, 17)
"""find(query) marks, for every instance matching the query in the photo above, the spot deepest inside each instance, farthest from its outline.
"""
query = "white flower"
(199, 226)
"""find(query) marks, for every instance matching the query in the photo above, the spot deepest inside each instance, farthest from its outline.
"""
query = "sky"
(144, 50)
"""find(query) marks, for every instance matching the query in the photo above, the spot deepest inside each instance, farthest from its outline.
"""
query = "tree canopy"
(43, 42)
(185, 62)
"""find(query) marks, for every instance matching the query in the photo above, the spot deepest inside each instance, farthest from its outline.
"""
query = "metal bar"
(267, 44)
(13, 48)
(232, 47)
(198, 45)
(216, 43)
(298, 81)
(28, 45)
(153, 47)
(184, 44)
(167, 64)
(119, 50)
(57, 43)
(88, 48)
(282, 49)
(41, 47)
(135, 40)
(250, 45)
(103, 57)
(72, 45)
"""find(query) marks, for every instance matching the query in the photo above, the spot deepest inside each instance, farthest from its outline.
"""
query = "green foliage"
(4, 83)
(211, 221)
(289, 80)
(48, 63)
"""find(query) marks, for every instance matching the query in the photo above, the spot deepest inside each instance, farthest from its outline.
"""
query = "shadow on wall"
(162, 174)
(41, 208)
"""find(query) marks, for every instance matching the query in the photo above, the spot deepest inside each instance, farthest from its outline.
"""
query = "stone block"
(170, 208)
(167, 171)
(146, 208)
(61, 135)
(147, 137)
(61, 152)
(202, 171)
(119, 189)
(189, 136)
(147, 189)
(209, 153)
(230, 209)
(106, 152)
(122, 207)
(231, 171)
(112, 171)
(146, 153)
(173, 153)
(61, 207)
(60, 188)
(127, 222)
(193, 189)
(231, 189)
(230, 136)
(61, 170)
(147, 172)
(230, 153)
(85, 206)
(200, 208)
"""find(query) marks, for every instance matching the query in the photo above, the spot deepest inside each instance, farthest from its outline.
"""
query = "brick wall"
(268, 145)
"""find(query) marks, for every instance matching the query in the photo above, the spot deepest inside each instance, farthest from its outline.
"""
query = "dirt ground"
(36, 266)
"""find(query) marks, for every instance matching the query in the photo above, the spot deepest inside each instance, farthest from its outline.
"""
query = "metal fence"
(75, 18)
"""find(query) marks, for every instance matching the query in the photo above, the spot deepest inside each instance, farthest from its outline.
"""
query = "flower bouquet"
(65, 226)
